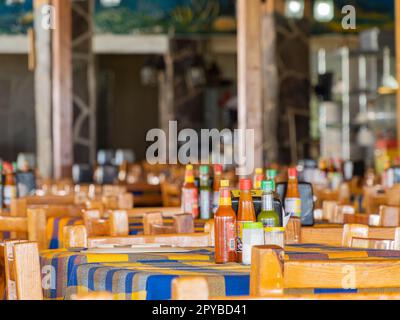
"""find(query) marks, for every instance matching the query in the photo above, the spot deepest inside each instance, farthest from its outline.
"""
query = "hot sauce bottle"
(225, 227)
(205, 194)
(292, 199)
(190, 201)
(216, 184)
(10, 187)
(246, 213)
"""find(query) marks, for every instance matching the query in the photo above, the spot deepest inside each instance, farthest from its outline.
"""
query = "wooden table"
(149, 275)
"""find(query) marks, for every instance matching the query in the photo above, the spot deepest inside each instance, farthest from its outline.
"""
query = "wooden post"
(249, 74)
(43, 92)
(37, 227)
(62, 90)
(397, 27)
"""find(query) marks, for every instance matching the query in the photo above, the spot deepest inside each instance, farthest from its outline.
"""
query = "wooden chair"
(351, 231)
(389, 216)
(328, 208)
(33, 226)
(153, 223)
(373, 199)
(171, 194)
(117, 223)
(270, 275)
(23, 273)
(341, 211)
(22, 270)
(77, 236)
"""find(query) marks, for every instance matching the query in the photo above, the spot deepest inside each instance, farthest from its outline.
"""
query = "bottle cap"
(292, 172)
(217, 168)
(189, 167)
(224, 183)
(267, 186)
(259, 171)
(271, 174)
(245, 184)
(252, 225)
(204, 169)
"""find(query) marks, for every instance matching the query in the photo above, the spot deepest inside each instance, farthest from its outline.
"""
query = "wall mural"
(186, 16)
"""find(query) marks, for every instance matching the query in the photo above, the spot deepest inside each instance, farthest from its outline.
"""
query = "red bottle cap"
(245, 184)
(218, 168)
(292, 172)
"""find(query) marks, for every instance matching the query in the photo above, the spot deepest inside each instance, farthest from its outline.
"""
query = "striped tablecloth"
(55, 226)
(149, 276)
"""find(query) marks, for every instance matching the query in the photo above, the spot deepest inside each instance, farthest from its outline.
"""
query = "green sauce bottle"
(268, 216)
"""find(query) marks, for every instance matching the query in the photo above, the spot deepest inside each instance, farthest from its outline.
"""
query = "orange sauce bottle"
(225, 227)
(292, 199)
(246, 213)
(190, 201)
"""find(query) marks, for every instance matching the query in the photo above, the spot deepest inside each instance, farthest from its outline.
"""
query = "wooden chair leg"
(190, 288)
(18, 208)
(266, 275)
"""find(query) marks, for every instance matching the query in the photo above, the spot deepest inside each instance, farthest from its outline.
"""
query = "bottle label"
(10, 192)
(239, 235)
(293, 207)
(215, 201)
(268, 222)
(225, 239)
(190, 202)
(231, 235)
(205, 204)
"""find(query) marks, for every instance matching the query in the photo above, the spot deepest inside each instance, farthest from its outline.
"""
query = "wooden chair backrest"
(171, 194)
(353, 231)
(340, 211)
(34, 225)
(389, 216)
(328, 209)
(117, 223)
(151, 218)
(22, 269)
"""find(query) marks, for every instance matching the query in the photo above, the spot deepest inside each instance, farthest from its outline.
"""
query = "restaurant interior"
(199, 150)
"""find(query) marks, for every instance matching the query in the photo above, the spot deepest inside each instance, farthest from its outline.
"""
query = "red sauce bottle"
(225, 227)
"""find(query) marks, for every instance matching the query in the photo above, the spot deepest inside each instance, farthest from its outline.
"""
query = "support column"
(62, 90)
(397, 27)
(43, 91)
(249, 73)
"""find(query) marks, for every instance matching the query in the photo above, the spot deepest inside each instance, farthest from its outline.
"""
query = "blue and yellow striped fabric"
(149, 276)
